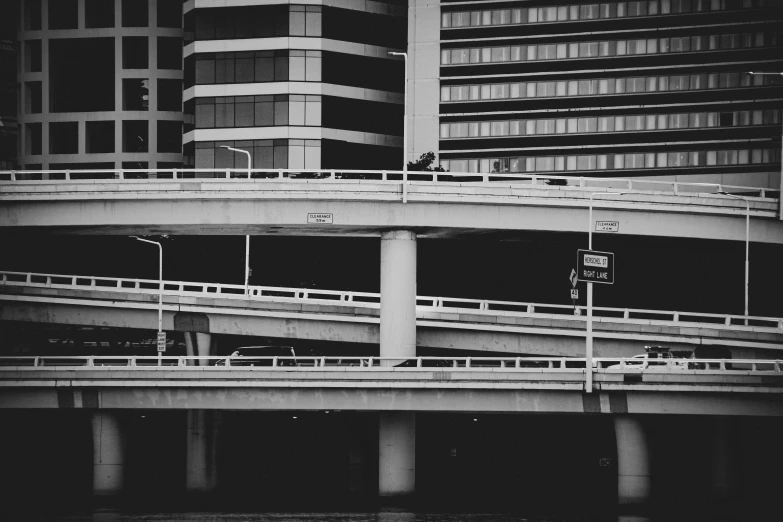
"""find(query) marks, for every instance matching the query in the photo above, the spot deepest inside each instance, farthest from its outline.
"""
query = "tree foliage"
(424, 163)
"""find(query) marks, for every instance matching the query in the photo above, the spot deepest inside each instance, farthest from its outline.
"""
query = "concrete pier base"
(723, 458)
(202, 456)
(108, 454)
(633, 461)
(396, 454)
(398, 294)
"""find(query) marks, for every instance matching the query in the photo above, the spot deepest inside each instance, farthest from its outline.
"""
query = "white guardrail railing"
(359, 363)
(372, 300)
(395, 176)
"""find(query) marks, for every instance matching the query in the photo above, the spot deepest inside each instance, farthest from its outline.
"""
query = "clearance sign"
(595, 267)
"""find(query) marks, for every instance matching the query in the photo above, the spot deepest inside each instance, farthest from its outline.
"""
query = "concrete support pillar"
(202, 450)
(198, 344)
(396, 454)
(723, 461)
(108, 458)
(398, 294)
(633, 461)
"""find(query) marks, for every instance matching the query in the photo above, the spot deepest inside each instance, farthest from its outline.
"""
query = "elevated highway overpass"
(441, 205)
(354, 317)
(371, 384)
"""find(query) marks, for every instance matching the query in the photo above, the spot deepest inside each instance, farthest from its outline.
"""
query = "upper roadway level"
(440, 205)
(354, 317)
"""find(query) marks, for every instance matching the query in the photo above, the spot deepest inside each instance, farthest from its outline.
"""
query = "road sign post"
(592, 267)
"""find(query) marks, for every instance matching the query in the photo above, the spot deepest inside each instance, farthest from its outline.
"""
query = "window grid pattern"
(564, 13)
(258, 111)
(593, 124)
(258, 67)
(631, 160)
(267, 154)
(607, 48)
(603, 86)
(258, 22)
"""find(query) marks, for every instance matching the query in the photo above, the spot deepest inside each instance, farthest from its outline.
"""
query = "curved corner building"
(298, 85)
(100, 84)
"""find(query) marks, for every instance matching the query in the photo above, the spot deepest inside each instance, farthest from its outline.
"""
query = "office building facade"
(621, 89)
(298, 85)
(100, 84)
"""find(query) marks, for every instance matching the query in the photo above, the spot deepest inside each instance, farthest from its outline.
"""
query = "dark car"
(260, 356)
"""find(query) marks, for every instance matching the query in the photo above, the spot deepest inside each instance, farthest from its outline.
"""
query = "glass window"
(135, 136)
(205, 114)
(281, 110)
(313, 20)
(499, 128)
(588, 49)
(99, 137)
(170, 53)
(134, 52)
(501, 54)
(135, 94)
(63, 14)
(296, 66)
(134, 13)
(99, 13)
(485, 128)
(296, 20)
(588, 12)
(296, 109)
(313, 66)
(169, 13)
(499, 91)
(264, 111)
(64, 137)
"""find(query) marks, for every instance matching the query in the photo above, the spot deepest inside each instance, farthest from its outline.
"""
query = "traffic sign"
(574, 293)
(595, 267)
(572, 277)
(161, 341)
(607, 226)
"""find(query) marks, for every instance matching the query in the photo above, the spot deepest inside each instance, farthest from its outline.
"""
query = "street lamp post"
(249, 160)
(780, 198)
(160, 286)
(747, 247)
(247, 237)
(404, 118)
(589, 336)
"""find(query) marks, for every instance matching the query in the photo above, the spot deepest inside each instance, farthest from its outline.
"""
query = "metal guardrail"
(365, 363)
(395, 176)
(372, 300)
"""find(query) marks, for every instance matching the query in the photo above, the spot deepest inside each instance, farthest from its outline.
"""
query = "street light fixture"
(589, 336)
(404, 117)
(161, 335)
(247, 237)
(747, 246)
(249, 160)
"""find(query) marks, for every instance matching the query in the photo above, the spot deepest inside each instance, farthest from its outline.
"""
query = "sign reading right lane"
(595, 267)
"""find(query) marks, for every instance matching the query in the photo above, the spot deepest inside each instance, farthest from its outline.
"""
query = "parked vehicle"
(658, 356)
(260, 356)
